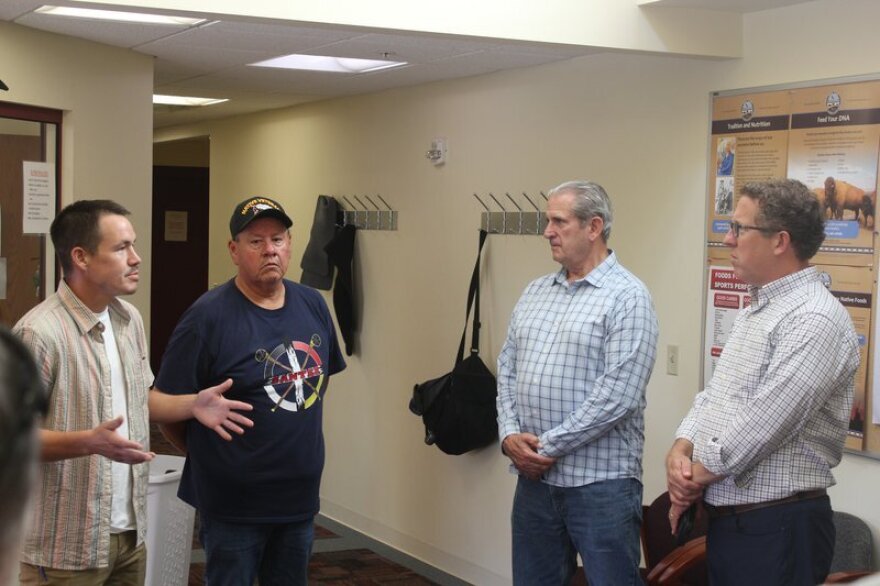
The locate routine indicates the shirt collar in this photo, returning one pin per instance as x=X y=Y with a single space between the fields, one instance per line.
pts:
x=596 y=277
x=761 y=296
x=85 y=318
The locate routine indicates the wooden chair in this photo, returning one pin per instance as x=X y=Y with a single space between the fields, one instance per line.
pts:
x=683 y=565
x=665 y=561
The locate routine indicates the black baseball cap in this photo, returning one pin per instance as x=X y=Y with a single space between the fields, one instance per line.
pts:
x=253 y=208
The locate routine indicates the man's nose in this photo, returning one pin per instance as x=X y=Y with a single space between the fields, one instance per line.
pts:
x=729 y=239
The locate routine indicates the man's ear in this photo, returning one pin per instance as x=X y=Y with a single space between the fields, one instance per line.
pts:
x=783 y=243
x=80 y=257
x=233 y=251
x=597 y=224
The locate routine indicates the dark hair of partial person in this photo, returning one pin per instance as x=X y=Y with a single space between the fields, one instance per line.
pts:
x=590 y=200
x=788 y=205
x=79 y=225
x=22 y=400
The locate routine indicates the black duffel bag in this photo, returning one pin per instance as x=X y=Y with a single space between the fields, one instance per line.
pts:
x=458 y=408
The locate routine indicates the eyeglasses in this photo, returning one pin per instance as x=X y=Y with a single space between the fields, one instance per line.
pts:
x=736 y=228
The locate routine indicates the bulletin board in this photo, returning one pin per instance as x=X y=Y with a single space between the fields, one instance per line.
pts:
x=827 y=135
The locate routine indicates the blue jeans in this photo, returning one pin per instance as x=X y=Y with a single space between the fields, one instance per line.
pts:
x=600 y=521
x=785 y=545
x=237 y=553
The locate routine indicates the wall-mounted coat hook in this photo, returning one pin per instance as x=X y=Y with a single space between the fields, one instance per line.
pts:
x=503 y=213
x=505 y=221
x=540 y=219
x=390 y=214
x=364 y=218
x=367 y=224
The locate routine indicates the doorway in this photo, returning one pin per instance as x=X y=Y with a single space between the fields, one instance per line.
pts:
x=181 y=200
x=28 y=136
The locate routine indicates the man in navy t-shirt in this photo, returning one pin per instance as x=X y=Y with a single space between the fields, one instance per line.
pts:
x=258 y=495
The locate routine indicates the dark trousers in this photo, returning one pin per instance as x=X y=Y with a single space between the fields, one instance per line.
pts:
x=785 y=545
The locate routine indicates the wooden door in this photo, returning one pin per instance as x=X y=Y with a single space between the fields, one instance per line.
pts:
x=22 y=252
x=180 y=252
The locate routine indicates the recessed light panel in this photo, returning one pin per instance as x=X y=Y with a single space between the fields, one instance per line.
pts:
x=334 y=64
x=186 y=101
x=118 y=15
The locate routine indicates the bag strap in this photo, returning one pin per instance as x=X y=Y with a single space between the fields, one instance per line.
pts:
x=473 y=301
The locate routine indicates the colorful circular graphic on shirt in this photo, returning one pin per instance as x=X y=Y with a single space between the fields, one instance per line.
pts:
x=293 y=374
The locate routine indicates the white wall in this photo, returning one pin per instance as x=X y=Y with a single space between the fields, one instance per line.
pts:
x=638 y=124
x=105 y=93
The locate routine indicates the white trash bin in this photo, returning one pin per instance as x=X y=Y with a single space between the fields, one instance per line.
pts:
x=169 y=525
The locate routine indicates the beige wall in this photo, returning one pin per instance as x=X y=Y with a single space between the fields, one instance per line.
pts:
x=105 y=93
x=194 y=152
x=637 y=124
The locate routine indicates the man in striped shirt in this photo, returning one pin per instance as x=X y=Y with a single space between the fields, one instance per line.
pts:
x=89 y=516
x=571 y=397
x=762 y=437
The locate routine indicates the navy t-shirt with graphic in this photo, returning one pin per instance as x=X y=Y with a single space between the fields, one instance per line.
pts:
x=280 y=362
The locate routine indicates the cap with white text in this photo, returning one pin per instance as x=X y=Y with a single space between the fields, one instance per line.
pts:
x=253 y=208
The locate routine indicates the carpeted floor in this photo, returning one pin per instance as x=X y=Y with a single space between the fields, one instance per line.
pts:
x=341 y=556
x=343 y=567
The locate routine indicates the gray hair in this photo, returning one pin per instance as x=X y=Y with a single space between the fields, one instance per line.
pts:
x=590 y=200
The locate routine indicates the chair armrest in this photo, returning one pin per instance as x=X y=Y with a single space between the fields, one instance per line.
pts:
x=682 y=558
x=846 y=577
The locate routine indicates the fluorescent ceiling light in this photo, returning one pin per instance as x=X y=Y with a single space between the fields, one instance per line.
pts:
x=118 y=16
x=186 y=101
x=321 y=63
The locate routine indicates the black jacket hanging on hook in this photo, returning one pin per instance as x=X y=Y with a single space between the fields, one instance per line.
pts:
x=316 y=265
x=341 y=253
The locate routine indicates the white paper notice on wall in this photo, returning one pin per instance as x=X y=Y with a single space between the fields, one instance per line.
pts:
x=175 y=226
x=38 y=208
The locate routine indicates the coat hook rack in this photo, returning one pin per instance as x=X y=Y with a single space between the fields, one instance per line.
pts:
x=520 y=222
x=364 y=218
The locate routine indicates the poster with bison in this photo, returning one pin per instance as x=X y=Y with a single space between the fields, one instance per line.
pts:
x=826 y=135
x=834 y=144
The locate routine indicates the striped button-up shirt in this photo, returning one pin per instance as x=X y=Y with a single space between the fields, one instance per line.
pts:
x=71 y=518
x=774 y=416
x=573 y=371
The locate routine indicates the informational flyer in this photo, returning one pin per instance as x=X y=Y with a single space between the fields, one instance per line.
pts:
x=749 y=143
x=38 y=208
x=833 y=148
x=726 y=296
x=853 y=288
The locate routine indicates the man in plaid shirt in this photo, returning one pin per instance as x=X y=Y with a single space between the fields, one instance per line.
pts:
x=759 y=442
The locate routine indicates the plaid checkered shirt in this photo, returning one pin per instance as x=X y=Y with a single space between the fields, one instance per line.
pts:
x=774 y=416
x=573 y=371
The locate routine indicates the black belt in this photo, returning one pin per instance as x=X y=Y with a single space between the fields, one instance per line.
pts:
x=724 y=511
